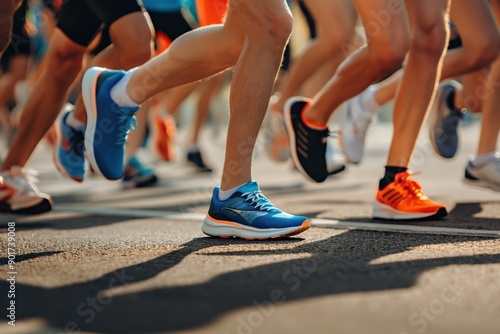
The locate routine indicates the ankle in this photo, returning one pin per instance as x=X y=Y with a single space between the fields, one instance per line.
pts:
x=390 y=175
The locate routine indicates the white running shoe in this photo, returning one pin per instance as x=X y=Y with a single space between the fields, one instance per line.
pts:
x=486 y=175
x=335 y=159
x=19 y=194
x=354 y=127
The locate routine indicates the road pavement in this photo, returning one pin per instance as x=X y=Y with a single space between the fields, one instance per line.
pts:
x=108 y=260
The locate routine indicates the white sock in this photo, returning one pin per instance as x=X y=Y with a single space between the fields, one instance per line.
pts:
x=225 y=194
x=482 y=159
x=367 y=99
x=74 y=123
x=119 y=91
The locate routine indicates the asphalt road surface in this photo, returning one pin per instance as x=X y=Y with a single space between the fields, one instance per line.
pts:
x=113 y=261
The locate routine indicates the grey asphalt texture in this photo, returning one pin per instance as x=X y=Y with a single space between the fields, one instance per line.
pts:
x=108 y=260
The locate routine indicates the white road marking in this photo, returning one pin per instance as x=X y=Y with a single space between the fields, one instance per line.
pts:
x=316 y=222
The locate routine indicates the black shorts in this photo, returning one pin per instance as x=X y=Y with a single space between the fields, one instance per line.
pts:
x=20 y=42
x=455 y=39
x=80 y=20
x=172 y=24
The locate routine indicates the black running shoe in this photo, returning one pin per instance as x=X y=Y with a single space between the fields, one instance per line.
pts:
x=195 y=158
x=307 y=145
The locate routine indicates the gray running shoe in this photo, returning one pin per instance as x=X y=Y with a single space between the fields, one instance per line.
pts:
x=486 y=175
x=443 y=121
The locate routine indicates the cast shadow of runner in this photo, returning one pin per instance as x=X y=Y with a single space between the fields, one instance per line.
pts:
x=331 y=267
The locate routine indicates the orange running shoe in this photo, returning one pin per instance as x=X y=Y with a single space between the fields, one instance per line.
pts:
x=163 y=133
x=403 y=199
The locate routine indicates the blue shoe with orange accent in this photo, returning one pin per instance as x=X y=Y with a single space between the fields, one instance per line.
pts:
x=68 y=154
x=136 y=175
x=248 y=214
x=108 y=124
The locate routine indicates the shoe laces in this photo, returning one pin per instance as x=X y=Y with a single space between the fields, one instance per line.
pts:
x=258 y=200
x=125 y=123
x=454 y=118
x=410 y=186
x=76 y=139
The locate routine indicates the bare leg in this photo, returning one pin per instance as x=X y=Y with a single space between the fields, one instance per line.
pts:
x=190 y=58
x=132 y=46
x=63 y=64
x=204 y=100
x=333 y=37
x=479 y=35
x=385 y=51
x=172 y=98
x=491 y=116
x=429 y=23
x=474 y=90
x=244 y=39
x=17 y=72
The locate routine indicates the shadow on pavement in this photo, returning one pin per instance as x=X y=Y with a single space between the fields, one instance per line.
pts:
x=336 y=265
x=463 y=215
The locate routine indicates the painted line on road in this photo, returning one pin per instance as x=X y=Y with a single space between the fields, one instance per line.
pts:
x=316 y=222
x=378 y=227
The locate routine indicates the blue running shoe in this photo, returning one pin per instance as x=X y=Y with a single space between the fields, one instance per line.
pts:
x=248 y=214
x=138 y=176
x=68 y=153
x=107 y=123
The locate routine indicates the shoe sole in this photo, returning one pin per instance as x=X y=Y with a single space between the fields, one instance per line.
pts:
x=291 y=137
x=338 y=170
x=55 y=158
x=386 y=212
x=45 y=205
x=228 y=229
x=481 y=184
x=89 y=83
x=141 y=184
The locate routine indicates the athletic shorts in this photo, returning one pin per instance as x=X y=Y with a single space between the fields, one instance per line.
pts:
x=20 y=42
x=168 y=27
x=80 y=20
x=455 y=40
x=211 y=11
x=172 y=24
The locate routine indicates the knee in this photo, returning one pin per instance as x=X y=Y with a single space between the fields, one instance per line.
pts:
x=389 y=61
x=431 y=40
x=273 y=28
x=486 y=52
